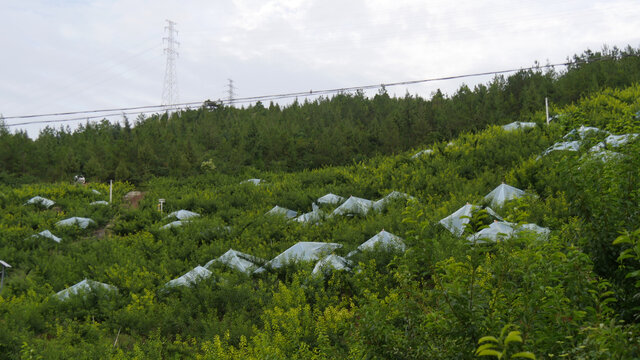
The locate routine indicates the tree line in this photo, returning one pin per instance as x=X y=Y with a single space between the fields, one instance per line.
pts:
x=303 y=135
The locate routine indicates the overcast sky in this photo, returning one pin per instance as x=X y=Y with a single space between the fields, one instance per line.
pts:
x=76 y=55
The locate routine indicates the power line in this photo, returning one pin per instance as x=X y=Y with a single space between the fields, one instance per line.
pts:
x=303 y=94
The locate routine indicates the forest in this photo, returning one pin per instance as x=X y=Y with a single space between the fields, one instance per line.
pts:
x=560 y=280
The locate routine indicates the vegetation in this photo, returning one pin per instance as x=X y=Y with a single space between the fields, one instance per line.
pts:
x=573 y=294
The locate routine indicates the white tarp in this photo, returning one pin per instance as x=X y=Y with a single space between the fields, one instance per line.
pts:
x=517 y=125
x=354 y=205
x=582 y=131
x=183 y=214
x=238 y=260
x=383 y=239
x=333 y=262
x=313 y=216
x=457 y=221
x=330 y=198
x=173 y=224
x=278 y=210
x=196 y=274
x=252 y=181
x=563 y=146
x=380 y=204
x=39 y=200
x=503 y=193
x=77 y=221
x=95 y=191
x=302 y=251
x=47 y=234
x=82 y=287
x=498 y=230
x=99 y=202
x=619 y=140
x=422 y=153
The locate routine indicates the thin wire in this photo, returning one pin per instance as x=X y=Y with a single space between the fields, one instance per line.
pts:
x=155 y=108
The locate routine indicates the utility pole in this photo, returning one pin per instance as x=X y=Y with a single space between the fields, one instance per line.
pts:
x=4 y=265
x=546 y=107
x=170 y=88
x=230 y=93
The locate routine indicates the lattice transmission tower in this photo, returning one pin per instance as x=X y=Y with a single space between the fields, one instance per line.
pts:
x=170 y=95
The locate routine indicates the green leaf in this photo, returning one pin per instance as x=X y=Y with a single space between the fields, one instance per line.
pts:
x=490 y=352
x=513 y=336
x=524 y=354
x=488 y=338
x=622 y=240
x=486 y=346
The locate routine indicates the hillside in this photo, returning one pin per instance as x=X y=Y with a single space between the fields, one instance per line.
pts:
x=336 y=131
x=567 y=293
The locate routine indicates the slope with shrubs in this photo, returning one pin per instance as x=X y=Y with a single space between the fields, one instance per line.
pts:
x=569 y=295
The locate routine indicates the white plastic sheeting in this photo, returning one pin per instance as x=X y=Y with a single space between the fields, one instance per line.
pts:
x=176 y=223
x=278 y=210
x=503 y=193
x=518 y=125
x=333 y=262
x=196 y=274
x=252 y=181
x=99 y=202
x=583 y=131
x=302 y=251
x=394 y=195
x=543 y=231
x=183 y=214
x=238 y=260
x=39 y=200
x=498 y=230
x=354 y=206
x=47 y=234
x=313 y=216
x=96 y=192
x=604 y=155
x=383 y=239
x=84 y=286
x=563 y=146
x=457 y=221
x=76 y=221
x=619 y=140
x=330 y=198
x=422 y=153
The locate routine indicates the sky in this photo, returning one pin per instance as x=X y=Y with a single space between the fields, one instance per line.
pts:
x=81 y=55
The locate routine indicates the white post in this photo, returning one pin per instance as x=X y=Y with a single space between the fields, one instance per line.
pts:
x=110 y=191
x=546 y=106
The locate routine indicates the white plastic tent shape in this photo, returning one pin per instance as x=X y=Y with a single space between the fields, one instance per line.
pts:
x=173 y=224
x=84 y=286
x=95 y=191
x=313 y=216
x=567 y=145
x=543 y=231
x=99 y=202
x=47 y=234
x=332 y=261
x=252 y=181
x=77 y=221
x=183 y=214
x=278 y=210
x=196 y=274
x=380 y=204
x=39 y=200
x=385 y=240
x=583 y=131
x=517 y=125
x=330 y=198
x=457 y=221
x=619 y=140
x=422 y=153
x=498 y=230
x=302 y=251
x=503 y=193
x=353 y=205
x=238 y=260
